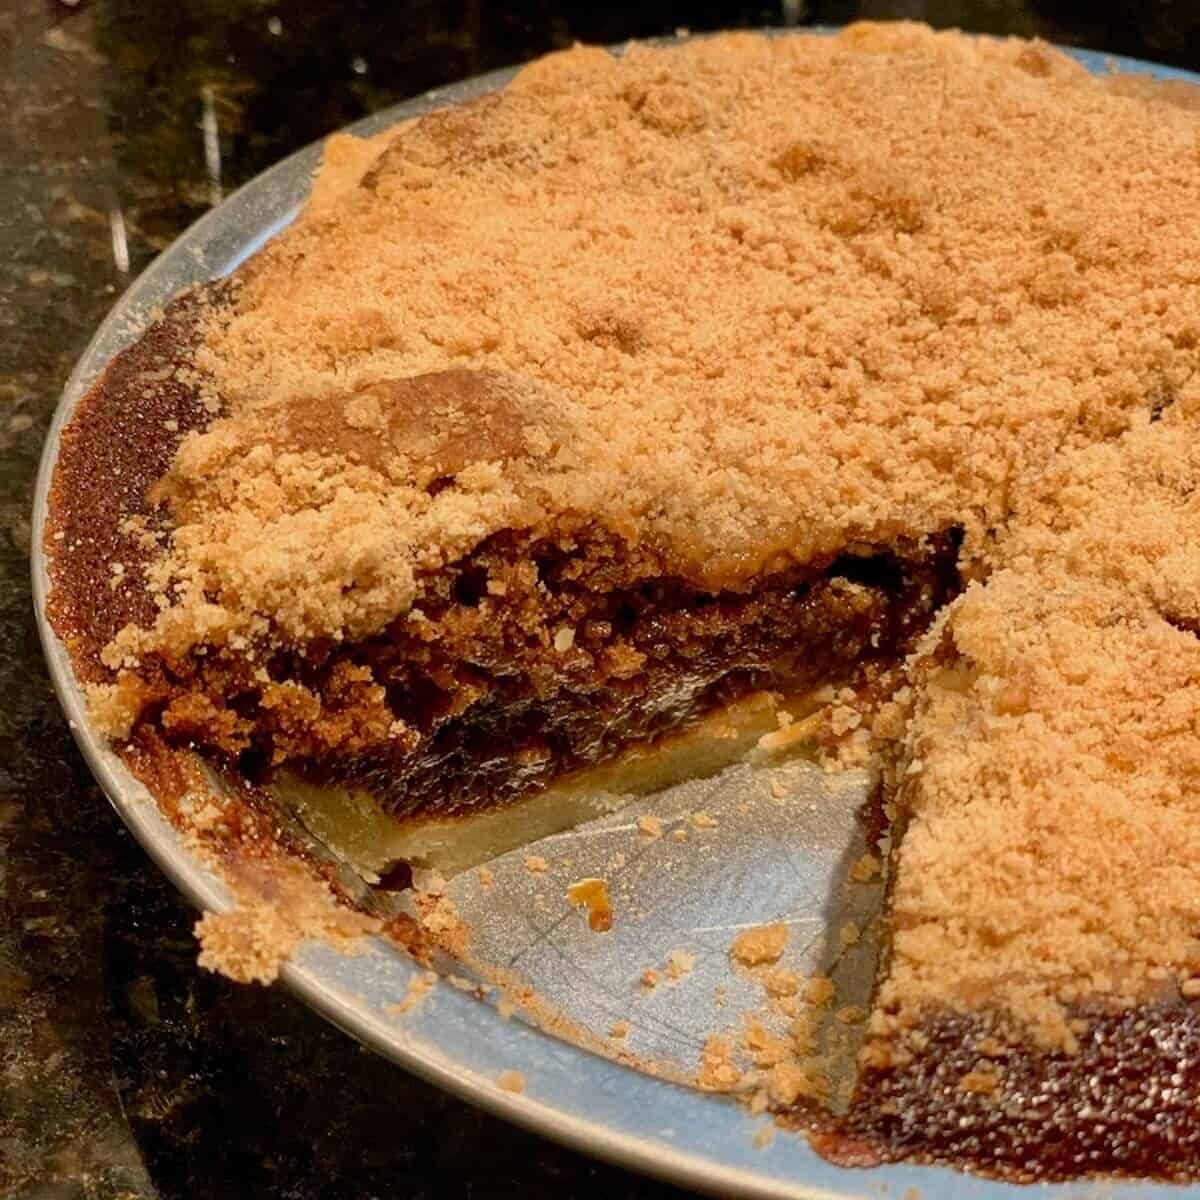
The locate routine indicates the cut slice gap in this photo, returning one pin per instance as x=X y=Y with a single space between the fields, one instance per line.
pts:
x=777 y=842
x=353 y=824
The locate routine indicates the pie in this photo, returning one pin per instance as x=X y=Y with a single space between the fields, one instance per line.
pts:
x=564 y=419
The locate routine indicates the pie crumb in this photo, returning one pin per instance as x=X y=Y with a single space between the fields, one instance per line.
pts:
x=865 y=868
x=535 y=864
x=718 y=1072
x=593 y=894
x=763 y=944
x=781 y=982
x=980 y=1082
x=418 y=989
x=820 y=991
x=679 y=963
x=511 y=1081
x=649 y=826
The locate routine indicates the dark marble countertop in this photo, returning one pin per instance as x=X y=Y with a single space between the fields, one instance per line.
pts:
x=125 y=1071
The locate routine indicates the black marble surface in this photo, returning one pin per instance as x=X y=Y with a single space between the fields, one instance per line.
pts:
x=125 y=1071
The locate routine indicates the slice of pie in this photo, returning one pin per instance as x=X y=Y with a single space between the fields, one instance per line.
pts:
x=564 y=419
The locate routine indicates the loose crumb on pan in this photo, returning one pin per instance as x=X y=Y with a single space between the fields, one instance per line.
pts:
x=781 y=982
x=865 y=868
x=761 y=945
x=820 y=991
x=251 y=942
x=418 y=988
x=535 y=864
x=511 y=1081
x=592 y=894
x=679 y=963
x=650 y=826
x=718 y=1072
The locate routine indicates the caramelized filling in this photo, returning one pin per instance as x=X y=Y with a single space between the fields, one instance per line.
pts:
x=530 y=659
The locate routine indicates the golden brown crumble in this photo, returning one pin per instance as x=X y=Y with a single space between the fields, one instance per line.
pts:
x=763 y=944
x=679 y=963
x=650 y=826
x=419 y=987
x=718 y=1072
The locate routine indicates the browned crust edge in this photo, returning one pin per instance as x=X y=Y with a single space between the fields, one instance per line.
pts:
x=119 y=440
x=1124 y=1105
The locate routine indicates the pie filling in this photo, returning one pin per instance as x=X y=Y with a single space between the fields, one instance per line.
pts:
x=526 y=663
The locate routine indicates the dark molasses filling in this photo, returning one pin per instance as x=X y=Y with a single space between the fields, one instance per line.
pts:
x=496 y=695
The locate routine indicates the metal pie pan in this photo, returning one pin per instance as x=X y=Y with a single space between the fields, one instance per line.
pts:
x=687 y=1137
